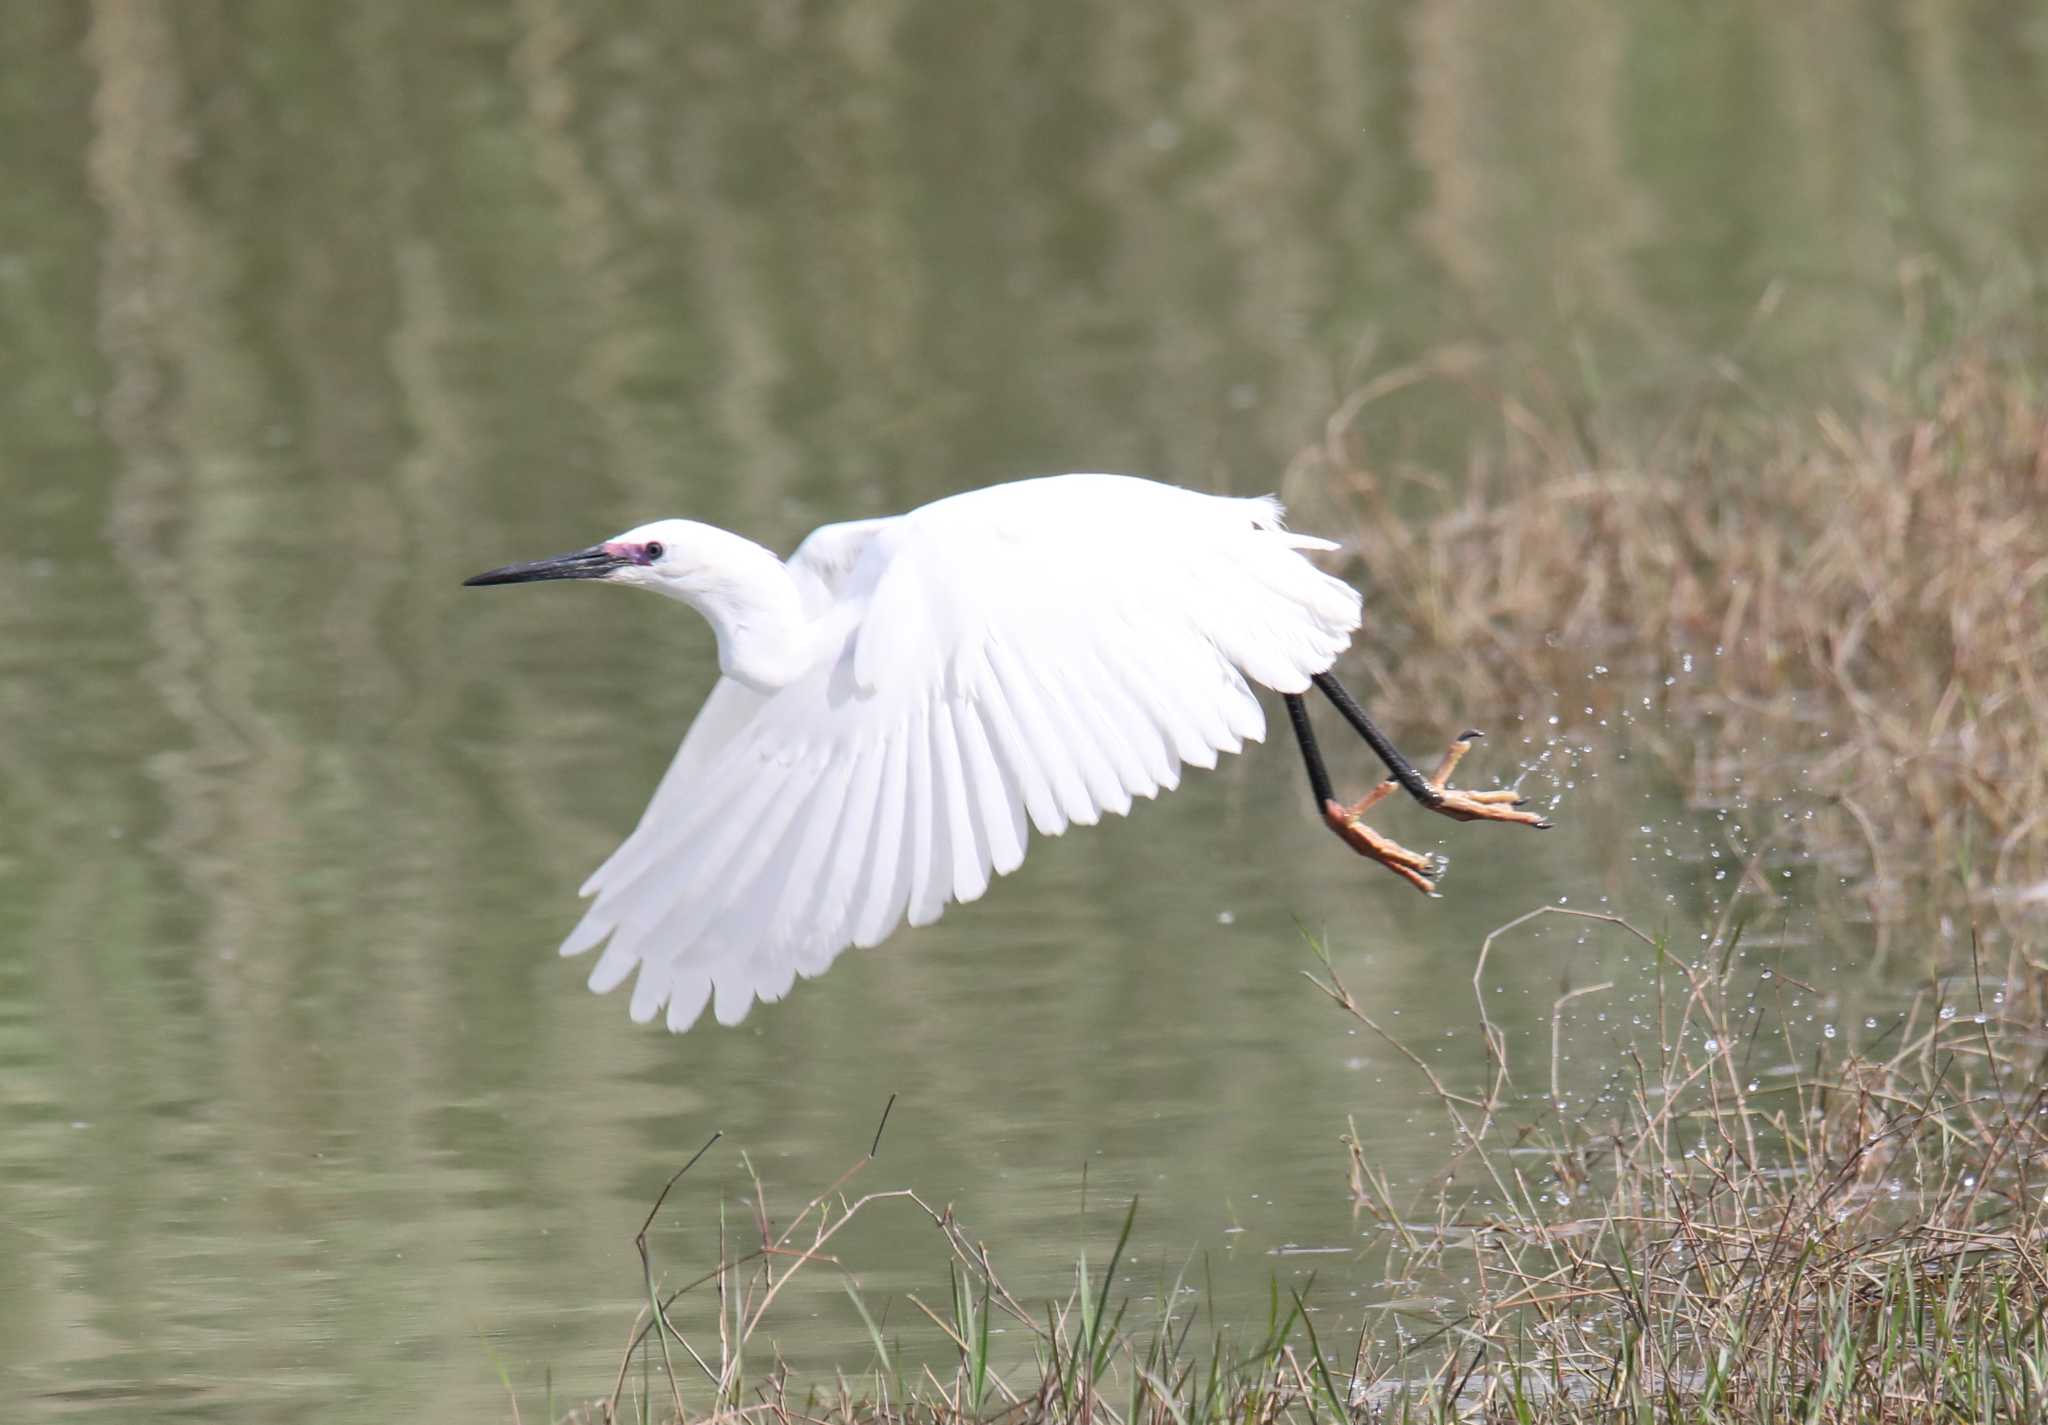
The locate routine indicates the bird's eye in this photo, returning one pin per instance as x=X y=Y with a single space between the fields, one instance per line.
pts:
x=654 y=550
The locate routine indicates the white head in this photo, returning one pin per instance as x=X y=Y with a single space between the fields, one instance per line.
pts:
x=753 y=605
x=679 y=558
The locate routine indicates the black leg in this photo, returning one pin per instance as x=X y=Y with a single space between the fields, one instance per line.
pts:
x=1311 y=755
x=1418 y=869
x=1398 y=767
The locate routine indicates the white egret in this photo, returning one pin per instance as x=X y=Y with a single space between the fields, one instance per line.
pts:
x=905 y=697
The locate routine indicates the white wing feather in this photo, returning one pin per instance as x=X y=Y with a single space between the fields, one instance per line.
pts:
x=1032 y=654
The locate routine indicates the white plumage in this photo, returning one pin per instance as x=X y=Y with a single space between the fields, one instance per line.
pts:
x=905 y=698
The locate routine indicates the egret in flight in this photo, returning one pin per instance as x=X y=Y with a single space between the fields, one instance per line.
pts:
x=904 y=698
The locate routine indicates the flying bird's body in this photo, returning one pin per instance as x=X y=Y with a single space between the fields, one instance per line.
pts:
x=904 y=699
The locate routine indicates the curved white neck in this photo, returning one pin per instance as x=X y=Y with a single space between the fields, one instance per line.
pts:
x=765 y=639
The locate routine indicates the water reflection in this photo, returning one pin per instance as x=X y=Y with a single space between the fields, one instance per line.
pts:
x=310 y=310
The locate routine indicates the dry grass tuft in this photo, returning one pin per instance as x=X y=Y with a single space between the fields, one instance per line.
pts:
x=1876 y=586
x=1866 y=1240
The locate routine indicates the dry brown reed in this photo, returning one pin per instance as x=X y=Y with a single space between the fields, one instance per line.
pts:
x=1854 y=604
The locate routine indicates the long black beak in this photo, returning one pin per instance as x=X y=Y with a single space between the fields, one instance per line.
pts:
x=592 y=563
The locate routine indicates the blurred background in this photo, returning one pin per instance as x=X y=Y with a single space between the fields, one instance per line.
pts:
x=307 y=311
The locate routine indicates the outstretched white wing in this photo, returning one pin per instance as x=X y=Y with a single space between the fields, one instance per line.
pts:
x=1033 y=654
